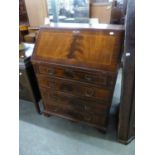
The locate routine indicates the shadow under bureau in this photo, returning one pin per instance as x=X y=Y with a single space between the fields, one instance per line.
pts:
x=76 y=68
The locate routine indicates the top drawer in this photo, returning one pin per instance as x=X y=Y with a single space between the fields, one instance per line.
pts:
x=103 y=79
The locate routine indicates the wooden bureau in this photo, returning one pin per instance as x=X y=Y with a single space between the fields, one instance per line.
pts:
x=76 y=68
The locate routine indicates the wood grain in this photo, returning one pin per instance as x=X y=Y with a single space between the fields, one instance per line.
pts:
x=95 y=48
x=76 y=70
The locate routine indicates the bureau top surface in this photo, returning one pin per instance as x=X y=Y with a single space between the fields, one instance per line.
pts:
x=80 y=45
x=85 y=26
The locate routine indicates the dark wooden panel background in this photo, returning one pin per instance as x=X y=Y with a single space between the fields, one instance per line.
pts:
x=126 y=127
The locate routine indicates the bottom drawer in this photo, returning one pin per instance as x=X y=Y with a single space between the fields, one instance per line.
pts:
x=75 y=115
x=75 y=108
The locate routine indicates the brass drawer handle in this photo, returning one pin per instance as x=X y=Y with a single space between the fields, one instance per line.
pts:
x=88 y=78
x=50 y=71
x=67 y=88
x=89 y=92
x=20 y=73
x=69 y=73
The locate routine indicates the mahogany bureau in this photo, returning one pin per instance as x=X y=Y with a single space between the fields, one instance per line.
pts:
x=76 y=68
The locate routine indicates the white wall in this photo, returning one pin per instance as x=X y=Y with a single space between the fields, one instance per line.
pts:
x=37 y=11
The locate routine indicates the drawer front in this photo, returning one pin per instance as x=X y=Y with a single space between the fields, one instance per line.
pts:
x=74 y=88
x=75 y=108
x=75 y=115
x=77 y=103
x=102 y=79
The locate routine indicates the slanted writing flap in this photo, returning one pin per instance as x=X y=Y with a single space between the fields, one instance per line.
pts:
x=79 y=46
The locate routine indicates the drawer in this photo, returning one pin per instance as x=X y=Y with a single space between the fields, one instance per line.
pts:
x=76 y=115
x=90 y=111
x=76 y=104
x=103 y=79
x=74 y=88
